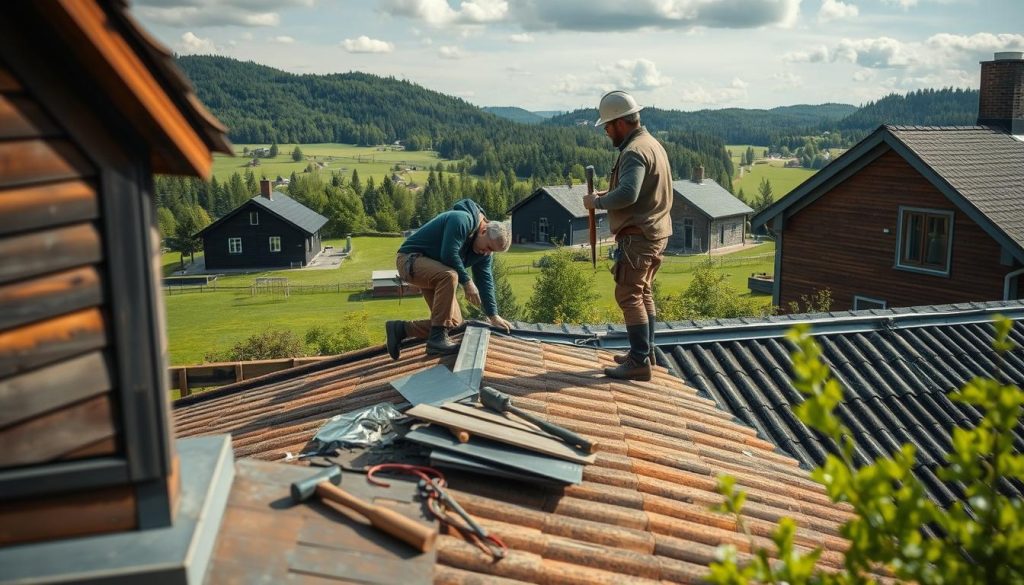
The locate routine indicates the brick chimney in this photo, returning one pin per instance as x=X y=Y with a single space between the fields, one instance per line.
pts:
x=265 y=189
x=698 y=174
x=1002 y=92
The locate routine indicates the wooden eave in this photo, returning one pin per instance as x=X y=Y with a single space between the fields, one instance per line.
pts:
x=178 y=145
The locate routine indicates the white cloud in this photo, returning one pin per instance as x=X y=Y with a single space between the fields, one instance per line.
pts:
x=615 y=15
x=816 y=55
x=788 y=80
x=699 y=94
x=449 y=52
x=836 y=10
x=202 y=13
x=440 y=13
x=880 y=53
x=521 y=38
x=284 y=40
x=979 y=44
x=640 y=74
x=517 y=70
x=862 y=75
x=365 y=44
x=904 y=4
x=194 y=45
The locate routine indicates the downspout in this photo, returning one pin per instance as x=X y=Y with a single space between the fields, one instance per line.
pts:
x=1006 y=282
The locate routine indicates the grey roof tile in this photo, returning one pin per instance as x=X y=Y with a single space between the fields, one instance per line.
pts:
x=570 y=198
x=711 y=198
x=292 y=211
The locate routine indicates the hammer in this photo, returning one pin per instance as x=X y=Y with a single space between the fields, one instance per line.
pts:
x=502 y=402
x=325 y=485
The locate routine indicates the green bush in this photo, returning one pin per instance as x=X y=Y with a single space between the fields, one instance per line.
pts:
x=982 y=544
x=352 y=335
x=563 y=292
x=269 y=344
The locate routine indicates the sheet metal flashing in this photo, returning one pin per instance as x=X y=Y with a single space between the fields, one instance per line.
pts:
x=175 y=555
x=469 y=365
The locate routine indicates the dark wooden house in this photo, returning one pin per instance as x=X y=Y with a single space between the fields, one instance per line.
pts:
x=90 y=108
x=268 y=231
x=706 y=217
x=913 y=215
x=555 y=214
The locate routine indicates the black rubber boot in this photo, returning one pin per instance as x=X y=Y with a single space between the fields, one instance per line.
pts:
x=621 y=358
x=636 y=366
x=439 y=344
x=395 y=333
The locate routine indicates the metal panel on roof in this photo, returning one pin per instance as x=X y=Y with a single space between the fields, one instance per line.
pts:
x=291 y=210
x=711 y=198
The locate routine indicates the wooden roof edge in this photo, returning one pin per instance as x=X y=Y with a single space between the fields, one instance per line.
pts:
x=180 y=141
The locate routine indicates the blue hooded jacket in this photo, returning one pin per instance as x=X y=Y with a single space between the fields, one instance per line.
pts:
x=448 y=238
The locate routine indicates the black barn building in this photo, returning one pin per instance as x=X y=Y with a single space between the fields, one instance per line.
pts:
x=555 y=213
x=269 y=230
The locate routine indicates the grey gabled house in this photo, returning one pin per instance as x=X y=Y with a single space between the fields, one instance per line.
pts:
x=269 y=230
x=555 y=213
x=705 y=216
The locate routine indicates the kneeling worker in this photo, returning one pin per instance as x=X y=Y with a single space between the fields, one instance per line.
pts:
x=435 y=259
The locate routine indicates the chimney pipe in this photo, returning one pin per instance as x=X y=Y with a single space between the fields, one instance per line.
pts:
x=265 y=190
x=1001 y=100
x=698 y=174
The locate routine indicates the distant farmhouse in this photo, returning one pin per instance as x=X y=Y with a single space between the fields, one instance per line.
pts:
x=555 y=213
x=913 y=215
x=269 y=230
x=705 y=216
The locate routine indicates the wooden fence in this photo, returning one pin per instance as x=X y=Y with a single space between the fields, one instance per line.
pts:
x=187 y=378
x=287 y=289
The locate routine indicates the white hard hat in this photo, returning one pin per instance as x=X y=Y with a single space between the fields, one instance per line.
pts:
x=614 y=105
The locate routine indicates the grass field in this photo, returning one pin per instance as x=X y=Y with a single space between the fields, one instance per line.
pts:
x=368 y=160
x=200 y=322
x=737 y=150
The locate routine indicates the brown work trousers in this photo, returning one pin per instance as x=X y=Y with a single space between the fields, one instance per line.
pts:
x=438 y=284
x=638 y=261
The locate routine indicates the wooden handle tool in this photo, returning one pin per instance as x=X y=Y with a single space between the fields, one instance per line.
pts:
x=406 y=529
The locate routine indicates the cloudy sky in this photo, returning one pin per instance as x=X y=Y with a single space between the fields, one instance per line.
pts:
x=562 y=54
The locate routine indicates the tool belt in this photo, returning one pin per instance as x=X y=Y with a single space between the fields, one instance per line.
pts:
x=630 y=230
x=410 y=259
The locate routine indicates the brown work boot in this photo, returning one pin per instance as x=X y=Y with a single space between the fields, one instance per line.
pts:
x=439 y=343
x=620 y=358
x=632 y=369
x=395 y=333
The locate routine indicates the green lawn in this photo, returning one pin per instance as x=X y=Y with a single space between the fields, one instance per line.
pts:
x=737 y=150
x=368 y=160
x=200 y=322
x=783 y=180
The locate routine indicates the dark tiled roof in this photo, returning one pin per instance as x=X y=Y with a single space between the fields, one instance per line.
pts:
x=986 y=165
x=570 y=198
x=896 y=367
x=710 y=198
x=291 y=210
x=641 y=514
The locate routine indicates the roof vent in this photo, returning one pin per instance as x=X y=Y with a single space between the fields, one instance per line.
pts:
x=1009 y=56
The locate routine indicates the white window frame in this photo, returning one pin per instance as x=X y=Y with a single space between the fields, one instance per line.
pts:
x=903 y=214
x=232 y=247
x=879 y=303
x=272 y=240
x=254 y=218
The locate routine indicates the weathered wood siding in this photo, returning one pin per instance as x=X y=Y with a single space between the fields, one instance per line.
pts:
x=526 y=221
x=838 y=242
x=56 y=381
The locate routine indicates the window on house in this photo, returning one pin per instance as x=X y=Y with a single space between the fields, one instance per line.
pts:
x=721 y=233
x=925 y=240
x=254 y=218
x=234 y=245
x=542 y=229
x=862 y=303
x=275 y=243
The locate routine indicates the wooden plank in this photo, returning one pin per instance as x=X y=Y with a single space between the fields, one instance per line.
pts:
x=48 y=341
x=8 y=84
x=42 y=298
x=482 y=413
x=500 y=433
x=38 y=253
x=107 y=446
x=21 y=117
x=29 y=208
x=46 y=389
x=76 y=514
x=23 y=162
x=52 y=435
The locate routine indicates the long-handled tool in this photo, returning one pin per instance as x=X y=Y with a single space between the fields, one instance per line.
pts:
x=502 y=402
x=325 y=485
x=593 y=221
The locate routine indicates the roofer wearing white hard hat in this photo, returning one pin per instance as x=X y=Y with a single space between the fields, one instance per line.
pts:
x=638 y=200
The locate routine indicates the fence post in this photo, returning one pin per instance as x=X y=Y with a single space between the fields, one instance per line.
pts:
x=183 y=382
x=238 y=372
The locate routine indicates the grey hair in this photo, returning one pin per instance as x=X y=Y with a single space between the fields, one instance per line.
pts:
x=633 y=118
x=500 y=233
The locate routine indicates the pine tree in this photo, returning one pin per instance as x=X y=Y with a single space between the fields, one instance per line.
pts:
x=765 y=195
x=297 y=154
x=273 y=150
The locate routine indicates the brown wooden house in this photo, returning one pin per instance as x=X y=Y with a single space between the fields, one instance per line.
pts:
x=90 y=108
x=913 y=215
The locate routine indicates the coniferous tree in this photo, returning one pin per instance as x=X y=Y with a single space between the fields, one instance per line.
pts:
x=273 y=150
